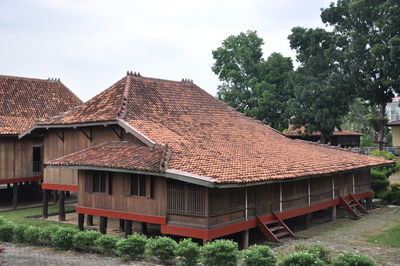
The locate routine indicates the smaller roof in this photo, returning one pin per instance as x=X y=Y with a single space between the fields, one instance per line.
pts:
x=117 y=155
x=293 y=131
x=394 y=123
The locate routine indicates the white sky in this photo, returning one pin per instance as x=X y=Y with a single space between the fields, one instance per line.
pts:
x=90 y=45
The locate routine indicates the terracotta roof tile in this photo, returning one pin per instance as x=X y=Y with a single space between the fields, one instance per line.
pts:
x=22 y=100
x=208 y=138
x=121 y=155
x=301 y=131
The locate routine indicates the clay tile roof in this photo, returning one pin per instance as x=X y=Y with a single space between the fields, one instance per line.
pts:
x=209 y=139
x=394 y=123
x=23 y=100
x=120 y=155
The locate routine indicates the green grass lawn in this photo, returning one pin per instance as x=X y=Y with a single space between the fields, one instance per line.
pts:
x=390 y=237
x=19 y=216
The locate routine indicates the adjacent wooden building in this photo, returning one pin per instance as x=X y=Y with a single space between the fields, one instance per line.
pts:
x=22 y=101
x=168 y=153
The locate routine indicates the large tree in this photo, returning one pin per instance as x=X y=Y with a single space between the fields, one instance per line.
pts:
x=253 y=85
x=371 y=50
x=321 y=93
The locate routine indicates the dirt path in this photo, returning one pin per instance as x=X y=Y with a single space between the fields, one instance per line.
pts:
x=352 y=235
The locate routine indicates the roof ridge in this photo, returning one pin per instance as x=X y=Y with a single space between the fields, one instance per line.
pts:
x=125 y=95
x=25 y=78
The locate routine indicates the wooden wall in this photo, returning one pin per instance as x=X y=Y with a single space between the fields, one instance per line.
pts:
x=75 y=140
x=119 y=201
x=228 y=205
x=16 y=157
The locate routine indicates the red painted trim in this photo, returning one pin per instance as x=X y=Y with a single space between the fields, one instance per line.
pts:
x=60 y=187
x=22 y=179
x=209 y=234
x=123 y=215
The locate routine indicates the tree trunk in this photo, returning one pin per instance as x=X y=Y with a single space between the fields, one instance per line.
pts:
x=381 y=125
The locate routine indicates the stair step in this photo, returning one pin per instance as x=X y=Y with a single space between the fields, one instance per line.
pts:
x=275 y=228
x=353 y=205
x=271 y=222
x=280 y=235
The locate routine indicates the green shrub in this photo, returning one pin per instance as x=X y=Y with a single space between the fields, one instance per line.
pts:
x=132 y=247
x=220 y=252
x=6 y=231
x=63 y=238
x=46 y=233
x=388 y=170
x=301 y=259
x=188 y=251
x=259 y=256
x=19 y=233
x=379 y=181
x=322 y=252
x=106 y=243
x=163 y=248
x=31 y=235
x=395 y=187
x=352 y=259
x=85 y=239
x=2 y=220
x=391 y=197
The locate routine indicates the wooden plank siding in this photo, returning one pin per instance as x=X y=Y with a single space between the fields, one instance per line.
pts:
x=119 y=200
x=16 y=157
x=75 y=140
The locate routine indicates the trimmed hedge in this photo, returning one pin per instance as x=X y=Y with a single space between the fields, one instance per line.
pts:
x=353 y=259
x=259 y=256
x=31 y=235
x=132 y=247
x=301 y=259
x=221 y=252
x=85 y=239
x=19 y=231
x=163 y=248
x=63 y=238
x=107 y=244
x=188 y=251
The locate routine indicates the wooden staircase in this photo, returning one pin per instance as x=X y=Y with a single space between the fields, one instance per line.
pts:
x=353 y=207
x=275 y=230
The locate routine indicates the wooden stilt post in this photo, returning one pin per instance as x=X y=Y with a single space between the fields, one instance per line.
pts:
x=89 y=221
x=61 y=206
x=333 y=213
x=67 y=194
x=15 y=195
x=81 y=221
x=45 y=212
x=369 y=203
x=245 y=239
x=55 y=196
x=121 y=224
x=103 y=225
x=8 y=186
x=308 y=220
x=128 y=227
x=144 y=228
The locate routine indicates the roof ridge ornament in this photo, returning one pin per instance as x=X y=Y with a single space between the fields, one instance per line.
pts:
x=187 y=80
x=122 y=110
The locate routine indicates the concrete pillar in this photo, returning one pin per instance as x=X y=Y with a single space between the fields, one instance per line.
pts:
x=81 y=221
x=15 y=196
x=103 y=225
x=45 y=212
x=128 y=228
x=89 y=221
x=245 y=239
x=333 y=213
x=308 y=220
x=144 y=228
x=61 y=206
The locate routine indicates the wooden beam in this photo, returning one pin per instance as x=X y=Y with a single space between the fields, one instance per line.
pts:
x=61 y=206
x=122 y=224
x=45 y=212
x=88 y=135
x=61 y=136
x=119 y=134
x=144 y=228
x=245 y=239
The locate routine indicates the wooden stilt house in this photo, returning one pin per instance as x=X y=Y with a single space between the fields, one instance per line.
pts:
x=166 y=152
x=22 y=100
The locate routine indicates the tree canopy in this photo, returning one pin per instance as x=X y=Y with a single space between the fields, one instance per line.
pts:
x=251 y=84
x=371 y=50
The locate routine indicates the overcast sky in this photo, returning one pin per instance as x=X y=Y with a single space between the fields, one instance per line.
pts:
x=90 y=45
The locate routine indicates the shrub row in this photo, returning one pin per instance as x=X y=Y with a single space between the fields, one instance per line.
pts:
x=166 y=250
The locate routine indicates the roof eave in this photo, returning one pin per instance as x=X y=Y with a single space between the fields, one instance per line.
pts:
x=130 y=129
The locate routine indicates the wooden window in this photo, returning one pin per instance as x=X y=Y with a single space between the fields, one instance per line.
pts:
x=184 y=198
x=140 y=185
x=37 y=159
x=99 y=181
